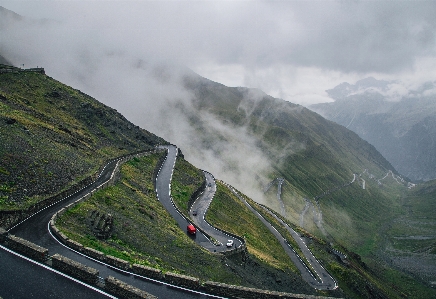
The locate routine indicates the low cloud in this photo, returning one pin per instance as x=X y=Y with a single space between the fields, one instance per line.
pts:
x=289 y=49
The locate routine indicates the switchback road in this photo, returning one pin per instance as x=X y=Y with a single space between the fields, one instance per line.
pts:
x=35 y=229
x=198 y=211
x=318 y=278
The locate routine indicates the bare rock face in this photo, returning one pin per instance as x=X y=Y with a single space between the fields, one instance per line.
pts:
x=101 y=224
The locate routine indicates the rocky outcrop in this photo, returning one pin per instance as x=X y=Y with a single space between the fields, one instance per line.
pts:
x=101 y=224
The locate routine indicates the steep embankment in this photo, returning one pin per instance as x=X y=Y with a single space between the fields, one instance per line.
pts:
x=53 y=135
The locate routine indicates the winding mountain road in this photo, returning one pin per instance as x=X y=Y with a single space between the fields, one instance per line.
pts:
x=318 y=278
x=198 y=211
x=163 y=190
x=35 y=229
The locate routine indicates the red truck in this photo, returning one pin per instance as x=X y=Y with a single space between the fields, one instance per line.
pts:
x=191 y=229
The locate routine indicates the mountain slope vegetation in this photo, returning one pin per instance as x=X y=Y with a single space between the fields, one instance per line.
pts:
x=53 y=135
x=312 y=154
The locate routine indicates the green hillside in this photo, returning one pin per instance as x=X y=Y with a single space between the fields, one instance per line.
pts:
x=410 y=243
x=53 y=135
x=312 y=154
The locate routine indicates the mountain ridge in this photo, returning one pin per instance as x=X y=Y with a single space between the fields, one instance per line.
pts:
x=403 y=130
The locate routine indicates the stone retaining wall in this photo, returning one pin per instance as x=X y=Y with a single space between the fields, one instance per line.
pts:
x=3 y=235
x=75 y=269
x=118 y=263
x=147 y=271
x=225 y=290
x=74 y=245
x=123 y=290
x=91 y=252
x=27 y=248
x=18 y=70
x=241 y=250
x=182 y=280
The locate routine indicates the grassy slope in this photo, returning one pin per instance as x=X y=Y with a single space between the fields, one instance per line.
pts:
x=315 y=155
x=53 y=135
x=410 y=242
x=267 y=266
x=144 y=232
x=229 y=213
x=186 y=180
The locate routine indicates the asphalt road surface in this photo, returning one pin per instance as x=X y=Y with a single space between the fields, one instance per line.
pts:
x=35 y=229
x=317 y=277
x=200 y=206
x=163 y=187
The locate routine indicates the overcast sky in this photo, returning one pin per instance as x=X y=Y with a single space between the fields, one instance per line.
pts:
x=290 y=49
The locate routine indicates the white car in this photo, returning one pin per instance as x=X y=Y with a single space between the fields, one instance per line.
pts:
x=229 y=243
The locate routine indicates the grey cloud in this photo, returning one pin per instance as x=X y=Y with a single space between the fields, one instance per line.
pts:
x=350 y=36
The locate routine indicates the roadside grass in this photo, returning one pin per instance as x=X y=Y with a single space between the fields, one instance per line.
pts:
x=144 y=232
x=186 y=180
x=230 y=214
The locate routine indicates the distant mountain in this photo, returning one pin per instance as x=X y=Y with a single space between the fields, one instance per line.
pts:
x=7 y=15
x=400 y=123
